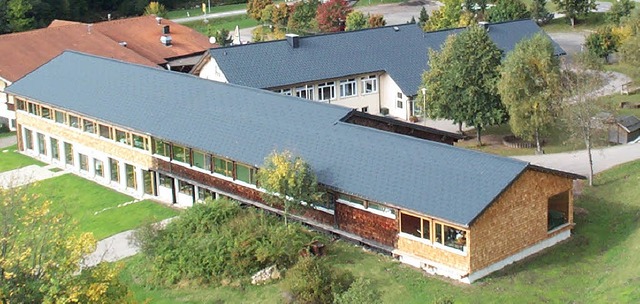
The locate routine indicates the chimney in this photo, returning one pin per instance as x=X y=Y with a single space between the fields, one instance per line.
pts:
x=108 y=17
x=294 y=40
x=484 y=25
x=166 y=40
x=123 y=43
x=165 y=30
x=89 y=28
x=159 y=20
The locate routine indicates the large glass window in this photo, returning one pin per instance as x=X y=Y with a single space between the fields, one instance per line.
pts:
x=32 y=108
x=348 y=88
x=55 y=149
x=121 y=137
x=161 y=148
x=74 y=121
x=105 y=131
x=88 y=126
x=558 y=210
x=450 y=237
x=185 y=188
x=286 y=92
x=28 y=138
x=45 y=112
x=246 y=174
x=223 y=166
x=305 y=92
x=115 y=170
x=416 y=226
x=165 y=181
x=201 y=160
x=60 y=118
x=369 y=84
x=98 y=167
x=139 y=142
x=130 y=171
x=20 y=104
x=351 y=199
x=327 y=91
x=381 y=208
x=68 y=153
x=148 y=182
x=42 y=146
x=84 y=162
x=204 y=194
x=181 y=154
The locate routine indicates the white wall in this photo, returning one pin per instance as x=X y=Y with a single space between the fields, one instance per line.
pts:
x=389 y=96
x=211 y=70
x=4 y=99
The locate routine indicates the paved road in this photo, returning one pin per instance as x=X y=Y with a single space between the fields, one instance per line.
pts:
x=7 y=141
x=210 y=16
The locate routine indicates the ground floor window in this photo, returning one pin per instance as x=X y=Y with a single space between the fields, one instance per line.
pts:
x=305 y=92
x=558 y=210
x=415 y=225
x=130 y=171
x=450 y=236
x=55 y=149
x=204 y=194
x=68 y=153
x=185 y=188
x=165 y=181
x=42 y=146
x=148 y=182
x=84 y=162
x=114 y=168
x=28 y=139
x=98 y=167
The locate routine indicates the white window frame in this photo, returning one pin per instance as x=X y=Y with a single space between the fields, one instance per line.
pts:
x=399 y=101
x=286 y=92
x=345 y=84
x=307 y=89
x=371 y=80
x=331 y=85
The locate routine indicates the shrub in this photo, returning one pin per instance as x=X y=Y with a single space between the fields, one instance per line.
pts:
x=313 y=280
x=219 y=240
x=359 y=292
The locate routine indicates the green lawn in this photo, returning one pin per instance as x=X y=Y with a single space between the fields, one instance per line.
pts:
x=182 y=13
x=599 y=264
x=362 y=3
x=563 y=24
x=7 y=134
x=81 y=199
x=11 y=159
x=229 y=23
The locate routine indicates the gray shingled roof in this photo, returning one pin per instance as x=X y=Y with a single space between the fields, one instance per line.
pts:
x=402 y=54
x=246 y=124
x=629 y=122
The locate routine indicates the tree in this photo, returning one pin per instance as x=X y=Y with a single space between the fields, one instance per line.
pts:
x=303 y=16
x=530 y=87
x=356 y=20
x=314 y=280
x=619 y=10
x=539 y=11
x=506 y=10
x=630 y=51
x=255 y=7
x=332 y=15
x=424 y=17
x=575 y=8
x=17 y=15
x=288 y=181
x=445 y=17
x=461 y=81
x=221 y=35
x=40 y=255
x=155 y=8
x=376 y=20
x=602 y=42
x=280 y=15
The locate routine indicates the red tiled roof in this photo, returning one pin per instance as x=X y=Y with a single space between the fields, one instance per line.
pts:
x=142 y=35
x=23 y=52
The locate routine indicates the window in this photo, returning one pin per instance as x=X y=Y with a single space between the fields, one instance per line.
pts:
x=416 y=226
x=369 y=84
x=246 y=174
x=365 y=110
x=305 y=92
x=450 y=236
x=204 y=194
x=74 y=121
x=329 y=201
x=162 y=148
x=98 y=167
x=381 y=208
x=104 y=131
x=201 y=160
x=55 y=150
x=399 y=101
x=20 y=104
x=42 y=146
x=558 y=209
x=60 y=117
x=68 y=153
x=181 y=154
x=351 y=199
x=121 y=137
x=223 y=166
x=114 y=168
x=147 y=182
x=327 y=91
x=139 y=142
x=28 y=138
x=185 y=188
x=348 y=88
x=84 y=162
x=286 y=92
x=165 y=181
x=45 y=112
x=130 y=171
x=88 y=126
x=32 y=108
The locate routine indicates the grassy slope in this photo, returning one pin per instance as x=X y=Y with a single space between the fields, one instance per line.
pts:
x=598 y=264
x=229 y=23
x=11 y=159
x=198 y=11
x=81 y=198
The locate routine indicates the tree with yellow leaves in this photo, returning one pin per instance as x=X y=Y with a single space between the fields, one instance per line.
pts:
x=289 y=182
x=155 y=8
x=41 y=254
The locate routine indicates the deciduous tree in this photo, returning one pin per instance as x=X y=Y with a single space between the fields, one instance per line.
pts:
x=461 y=81
x=506 y=10
x=289 y=181
x=356 y=20
x=155 y=8
x=619 y=10
x=539 y=11
x=18 y=15
x=529 y=86
x=602 y=42
x=255 y=7
x=280 y=15
x=332 y=15
x=447 y=16
x=303 y=16
x=376 y=20
x=575 y=8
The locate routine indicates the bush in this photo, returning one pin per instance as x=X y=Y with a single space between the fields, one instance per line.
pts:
x=313 y=280
x=219 y=240
x=359 y=292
